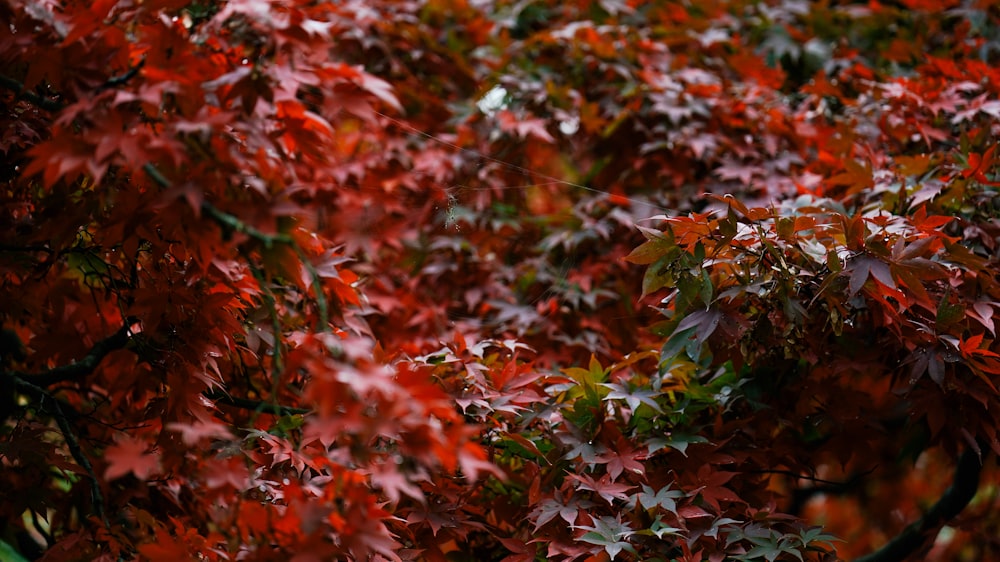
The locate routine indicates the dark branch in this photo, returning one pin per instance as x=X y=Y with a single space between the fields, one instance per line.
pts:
x=44 y=398
x=157 y=177
x=83 y=367
x=255 y=405
x=121 y=79
x=228 y=222
x=834 y=483
x=233 y=224
x=801 y=495
x=952 y=502
x=50 y=104
x=26 y=94
x=29 y=248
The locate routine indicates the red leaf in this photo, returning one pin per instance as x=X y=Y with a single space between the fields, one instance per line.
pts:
x=604 y=487
x=623 y=458
x=128 y=455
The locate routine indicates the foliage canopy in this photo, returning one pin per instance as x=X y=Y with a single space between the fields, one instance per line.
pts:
x=399 y=280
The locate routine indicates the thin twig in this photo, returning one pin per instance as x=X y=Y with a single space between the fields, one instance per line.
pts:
x=224 y=219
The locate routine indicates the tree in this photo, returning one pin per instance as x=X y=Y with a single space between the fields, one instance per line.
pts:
x=499 y=281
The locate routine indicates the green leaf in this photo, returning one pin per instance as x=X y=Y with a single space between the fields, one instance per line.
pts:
x=658 y=275
x=689 y=290
x=786 y=227
x=948 y=313
x=8 y=554
x=591 y=376
x=816 y=535
x=633 y=396
x=676 y=440
x=727 y=227
x=660 y=529
x=609 y=533
x=678 y=341
x=664 y=497
x=699 y=252
x=707 y=288
x=657 y=245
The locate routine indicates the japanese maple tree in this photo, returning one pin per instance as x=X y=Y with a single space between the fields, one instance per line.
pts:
x=513 y=281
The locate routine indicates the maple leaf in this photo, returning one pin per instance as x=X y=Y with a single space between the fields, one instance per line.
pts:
x=609 y=532
x=743 y=172
x=665 y=497
x=380 y=88
x=209 y=174
x=982 y=312
x=524 y=127
x=473 y=463
x=393 y=482
x=605 y=487
x=548 y=509
x=129 y=455
x=713 y=489
x=623 y=457
x=633 y=396
x=862 y=267
x=165 y=549
x=678 y=441
x=193 y=433
x=521 y=551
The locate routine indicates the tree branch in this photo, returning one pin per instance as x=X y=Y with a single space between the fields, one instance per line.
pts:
x=13 y=248
x=121 y=79
x=26 y=94
x=277 y=363
x=232 y=224
x=50 y=104
x=255 y=405
x=952 y=502
x=801 y=495
x=223 y=219
x=44 y=396
x=833 y=483
x=83 y=367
